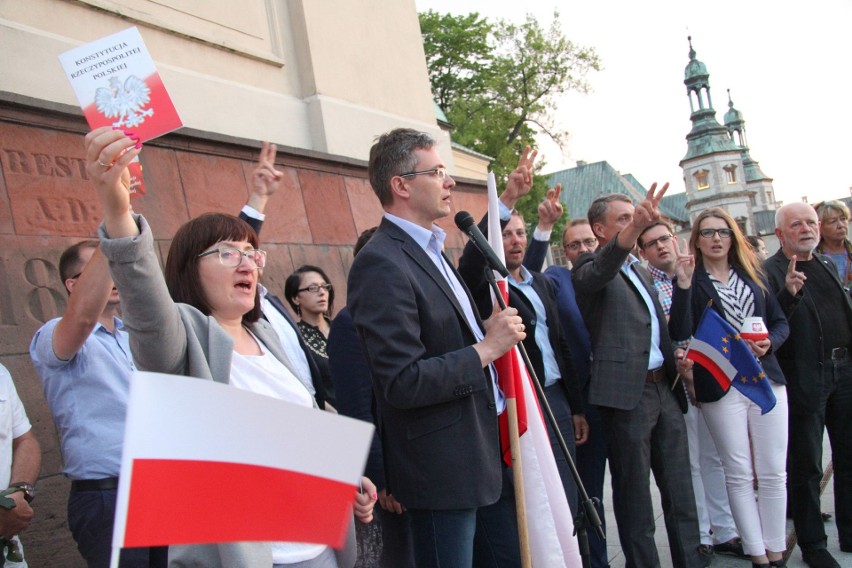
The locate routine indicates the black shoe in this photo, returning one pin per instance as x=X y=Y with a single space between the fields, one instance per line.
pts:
x=778 y=563
x=845 y=547
x=764 y=565
x=733 y=547
x=819 y=558
x=705 y=551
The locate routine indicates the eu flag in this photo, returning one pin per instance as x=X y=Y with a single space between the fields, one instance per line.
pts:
x=718 y=347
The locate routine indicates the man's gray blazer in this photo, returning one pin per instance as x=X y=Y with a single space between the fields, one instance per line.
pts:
x=620 y=327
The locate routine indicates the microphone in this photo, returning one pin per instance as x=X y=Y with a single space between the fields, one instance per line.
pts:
x=465 y=222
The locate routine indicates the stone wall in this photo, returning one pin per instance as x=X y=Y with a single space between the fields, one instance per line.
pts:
x=47 y=204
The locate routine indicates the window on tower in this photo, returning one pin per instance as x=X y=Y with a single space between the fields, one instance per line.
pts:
x=702 y=179
x=731 y=173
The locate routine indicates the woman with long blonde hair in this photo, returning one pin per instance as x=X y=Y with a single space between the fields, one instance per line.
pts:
x=725 y=270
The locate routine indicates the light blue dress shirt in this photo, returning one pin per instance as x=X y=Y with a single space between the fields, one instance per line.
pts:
x=87 y=396
x=542 y=331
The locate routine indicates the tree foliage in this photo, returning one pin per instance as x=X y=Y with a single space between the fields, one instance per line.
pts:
x=499 y=83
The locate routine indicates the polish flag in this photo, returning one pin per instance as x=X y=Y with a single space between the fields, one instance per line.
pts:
x=205 y=462
x=549 y=521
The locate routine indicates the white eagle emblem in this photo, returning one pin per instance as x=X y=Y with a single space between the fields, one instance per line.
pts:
x=126 y=102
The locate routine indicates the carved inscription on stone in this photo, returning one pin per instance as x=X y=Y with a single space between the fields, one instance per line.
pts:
x=30 y=290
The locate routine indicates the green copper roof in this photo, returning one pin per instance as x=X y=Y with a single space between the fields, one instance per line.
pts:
x=694 y=69
x=583 y=184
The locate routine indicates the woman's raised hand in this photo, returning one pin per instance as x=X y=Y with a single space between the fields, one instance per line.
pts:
x=108 y=152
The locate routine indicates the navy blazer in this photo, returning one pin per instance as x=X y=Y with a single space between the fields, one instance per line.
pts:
x=570 y=317
x=435 y=401
x=687 y=307
x=353 y=384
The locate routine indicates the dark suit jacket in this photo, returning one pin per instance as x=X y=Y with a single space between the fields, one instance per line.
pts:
x=435 y=401
x=687 y=307
x=472 y=267
x=316 y=376
x=354 y=386
x=620 y=327
x=572 y=322
x=802 y=356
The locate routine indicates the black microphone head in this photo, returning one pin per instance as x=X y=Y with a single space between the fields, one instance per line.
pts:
x=463 y=220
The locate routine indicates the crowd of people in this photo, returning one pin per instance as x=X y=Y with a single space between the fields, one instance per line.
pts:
x=413 y=352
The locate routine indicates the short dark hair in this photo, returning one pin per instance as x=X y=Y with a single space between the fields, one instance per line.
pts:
x=393 y=155
x=193 y=238
x=363 y=239
x=660 y=223
x=294 y=281
x=70 y=263
x=598 y=208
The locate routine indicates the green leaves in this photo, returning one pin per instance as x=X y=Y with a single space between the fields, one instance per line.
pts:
x=499 y=84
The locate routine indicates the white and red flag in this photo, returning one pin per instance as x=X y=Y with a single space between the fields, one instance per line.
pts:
x=196 y=452
x=550 y=524
x=117 y=85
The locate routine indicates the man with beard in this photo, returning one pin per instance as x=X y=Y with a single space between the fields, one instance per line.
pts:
x=815 y=360
x=532 y=295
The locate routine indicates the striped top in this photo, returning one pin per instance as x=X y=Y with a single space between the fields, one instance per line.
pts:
x=737 y=298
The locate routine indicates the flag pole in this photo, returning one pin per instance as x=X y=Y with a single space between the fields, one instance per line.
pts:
x=590 y=512
x=515 y=449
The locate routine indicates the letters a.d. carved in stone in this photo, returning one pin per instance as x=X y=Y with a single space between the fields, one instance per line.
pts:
x=47 y=183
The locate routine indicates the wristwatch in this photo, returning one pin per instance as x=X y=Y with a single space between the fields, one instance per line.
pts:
x=28 y=490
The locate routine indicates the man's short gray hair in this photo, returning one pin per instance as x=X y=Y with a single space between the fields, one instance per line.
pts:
x=393 y=155
x=598 y=208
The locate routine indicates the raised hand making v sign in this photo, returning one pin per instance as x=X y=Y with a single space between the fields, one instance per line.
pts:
x=644 y=215
x=550 y=210
x=521 y=179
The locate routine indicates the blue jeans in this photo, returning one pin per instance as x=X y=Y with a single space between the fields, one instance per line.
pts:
x=91 y=515
x=443 y=538
x=486 y=537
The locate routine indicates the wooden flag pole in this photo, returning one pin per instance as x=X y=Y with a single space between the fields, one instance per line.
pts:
x=518 y=473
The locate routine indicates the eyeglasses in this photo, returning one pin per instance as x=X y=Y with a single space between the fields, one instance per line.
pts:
x=574 y=245
x=315 y=288
x=440 y=171
x=710 y=233
x=231 y=257
x=659 y=241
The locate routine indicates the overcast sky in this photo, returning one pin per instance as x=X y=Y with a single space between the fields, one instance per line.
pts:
x=787 y=65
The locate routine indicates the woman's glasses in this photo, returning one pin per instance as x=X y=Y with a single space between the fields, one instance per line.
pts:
x=232 y=257
x=710 y=233
x=315 y=288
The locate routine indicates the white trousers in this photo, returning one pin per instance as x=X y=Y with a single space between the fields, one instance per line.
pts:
x=732 y=420
x=715 y=522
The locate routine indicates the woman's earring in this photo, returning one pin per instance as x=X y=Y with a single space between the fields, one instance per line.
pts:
x=299 y=311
